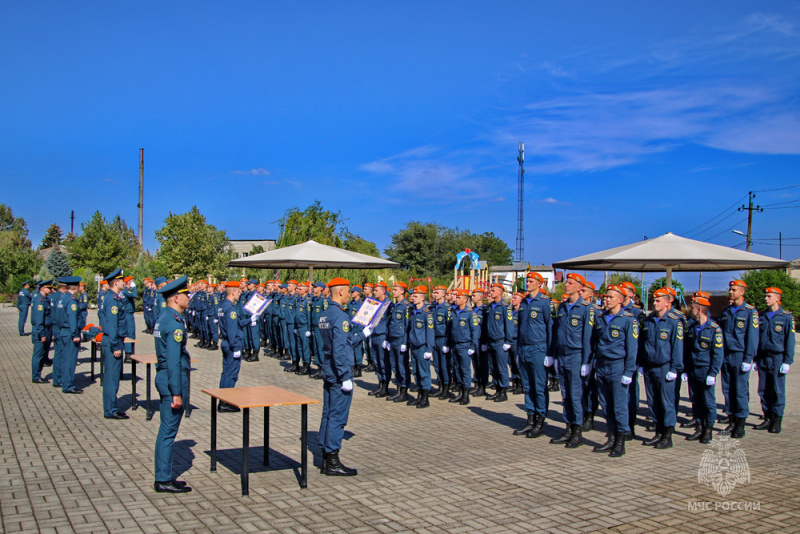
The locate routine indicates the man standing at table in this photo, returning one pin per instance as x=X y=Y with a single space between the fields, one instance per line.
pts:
x=172 y=380
x=338 y=341
x=231 y=325
x=23 y=303
x=41 y=323
x=67 y=317
x=114 y=325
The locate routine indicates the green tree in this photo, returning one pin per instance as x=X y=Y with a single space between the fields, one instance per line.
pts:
x=103 y=246
x=58 y=264
x=52 y=237
x=617 y=278
x=18 y=261
x=758 y=281
x=191 y=246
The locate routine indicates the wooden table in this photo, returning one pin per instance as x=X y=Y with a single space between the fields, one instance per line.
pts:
x=149 y=360
x=257 y=397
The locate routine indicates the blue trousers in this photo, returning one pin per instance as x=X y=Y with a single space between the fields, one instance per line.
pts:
x=368 y=350
x=660 y=395
x=534 y=379
x=462 y=360
x=230 y=367
x=213 y=328
x=441 y=362
x=319 y=356
x=735 y=385
x=112 y=370
x=422 y=368
x=69 y=360
x=277 y=342
x=499 y=359
x=771 y=384
x=302 y=344
x=614 y=394
x=633 y=400
x=39 y=355
x=400 y=365
x=480 y=364
x=23 y=317
x=383 y=364
x=358 y=354
x=168 y=429
x=335 y=411
x=590 y=399
x=572 y=384
x=255 y=337
x=288 y=338
x=57 y=366
x=704 y=400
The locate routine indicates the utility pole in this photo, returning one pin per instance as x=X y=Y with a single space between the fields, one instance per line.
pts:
x=750 y=209
x=141 y=195
x=72 y=222
x=520 y=202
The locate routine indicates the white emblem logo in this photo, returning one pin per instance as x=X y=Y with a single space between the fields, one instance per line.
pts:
x=724 y=467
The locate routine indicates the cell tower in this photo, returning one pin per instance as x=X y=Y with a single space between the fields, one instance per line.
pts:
x=520 y=201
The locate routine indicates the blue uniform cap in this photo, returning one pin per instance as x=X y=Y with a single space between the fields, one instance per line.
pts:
x=320 y=284
x=179 y=285
x=284 y=286
x=44 y=283
x=160 y=280
x=26 y=282
x=253 y=281
x=70 y=280
x=355 y=288
x=114 y=275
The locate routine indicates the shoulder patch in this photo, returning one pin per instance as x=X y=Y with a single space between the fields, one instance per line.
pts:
x=74 y=307
x=178 y=335
x=114 y=310
x=164 y=304
x=626 y=313
x=345 y=326
x=233 y=314
x=635 y=330
x=324 y=304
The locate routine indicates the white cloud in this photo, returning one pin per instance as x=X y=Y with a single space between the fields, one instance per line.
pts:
x=261 y=171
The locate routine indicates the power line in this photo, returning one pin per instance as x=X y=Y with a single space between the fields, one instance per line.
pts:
x=701 y=232
x=727 y=229
x=777 y=189
x=781 y=203
x=716 y=217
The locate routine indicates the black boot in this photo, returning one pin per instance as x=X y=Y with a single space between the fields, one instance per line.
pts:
x=423 y=403
x=403 y=396
x=608 y=445
x=577 y=437
x=299 y=369
x=383 y=390
x=414 y=402
x=708 y=429
x=214 y=346
x=766 y=423
x=528 y=425
x=666 y=440
x=357 y=371
x=699 y=430
x=724 y=419
x=479 y=390
x=324 y=462
x=501 y=395
x=775 y=426
x=459 y=394
x=370 y=368
x=253 y=356
x=655 y=439
x=335 y=468
x=690 y=424
x=306 y=369
x=738 y=430
x=292 y=368
x=395 y=396
x=619 y=445
x=731 y=420
x=317 y=375
x=445 y=392
x=376 y=390
x=588 y=422
x=565 y=437
x=538 y=427
x=464 y=396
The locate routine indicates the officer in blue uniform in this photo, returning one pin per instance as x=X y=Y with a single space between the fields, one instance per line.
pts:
x=23 y=303
x=67 y=317
x=302 y=322
x=41 y=323
x=513 y=360
x=633 y=390
x=289 y=317
x=211 y=317
x=572 y=335
x=441 y=360
x=280 y=348
x=83 y=305
x=397 y=342
x=775 y=356
x=739 y=323
x=172 y=379
x=148 y=296
x=615 y=345
x=500 y=335
x=534 y=349
x=420 y=344
x=370 y=367
x=703 y=352
x=661 y=361
x=337 y=344
x=352 y=309
x=463 y=338
x=232 y=327
x=58 y=364
x=480 y=360
x=112 y=344
x=128 y=299
x=380 y=354
x=159 y=304
x=591 y=399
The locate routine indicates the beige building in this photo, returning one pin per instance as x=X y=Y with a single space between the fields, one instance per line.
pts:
x=242 y=247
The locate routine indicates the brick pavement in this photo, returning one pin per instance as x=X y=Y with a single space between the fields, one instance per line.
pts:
x=449 y=468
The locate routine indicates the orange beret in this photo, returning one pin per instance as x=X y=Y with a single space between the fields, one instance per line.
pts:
x=478 y=290
x=147 y=279
x=104 y=282
x=337 y=282
x=369 y=285
x=702 y=294
x=618 y=289
x=535 y=276
x=462 y=293
x=590 y=285
x=628 y=285
x=499 y=286
x=739 y=283
x=292 y=282
x=127 y=279
x=702 y=301
x=521 y=294
x=201 y=281
x=382 y=284
x=773 y=290
x=243 y=280
x=672 y=291
x=213 y=285
x=260 y=285
x=577 y=277
x=440 y=288
x=401 y=284
x=82 y=284
x=232 y=284
x=564 y=297
x=420 y=290
x=661 y=292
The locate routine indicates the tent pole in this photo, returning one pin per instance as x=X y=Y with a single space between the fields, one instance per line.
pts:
x=311 y=273
x=669 y=276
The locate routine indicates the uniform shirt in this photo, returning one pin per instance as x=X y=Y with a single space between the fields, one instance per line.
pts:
x=160 y=305
x=55 y=298
x=83 y=309
x=382 y=327
x=420 y=329
x=67 y=317
x=573 y=327
x=230 y=325
x=352 y=310
x=464 y=328
x=480 y=313
x=661 y=341
x=23 y=299
x=114 y=322
x=397 y=327
x=535 y=323
x=302 y=315
x=499 y=323
x=290 y=312
x=338 y=341
x=40 y=316
x=440 y=314
x=703 y=346
x=128 y=299
x=776 y=335
x=615 y=337
x=169 y=335
x=740 y=330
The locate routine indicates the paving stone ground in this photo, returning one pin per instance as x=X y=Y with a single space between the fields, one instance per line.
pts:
x=445 y=469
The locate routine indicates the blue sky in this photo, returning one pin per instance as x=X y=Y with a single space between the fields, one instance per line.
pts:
x=638 y=118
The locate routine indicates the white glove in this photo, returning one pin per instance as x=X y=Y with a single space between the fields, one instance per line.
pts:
x=484 y=348
x=671 y=376
x=427 y=355
x=215 y=321
x=445 y=349
x=295 y=330
x=388 y=346
x=385 y=345
x=548 y=361
x=308 y=334
x=237 y=354
x=367 y=331
x=784 y=368
x=626 y=380
x=684 y=377
x=133 y=284
x=347 y=385
x=403 y=348
x=586 y=369
x=746 y=367
x=641 y=371
x=253 y=320
x=711 y=380
x=470 y=352
x=506 y=347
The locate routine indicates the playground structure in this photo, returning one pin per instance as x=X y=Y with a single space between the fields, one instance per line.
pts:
x=478 y=277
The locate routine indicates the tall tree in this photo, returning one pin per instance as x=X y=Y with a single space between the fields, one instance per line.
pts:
x=52 y=237
x=312 y=223
x=191 y=246
x=58 y=264
x=757 y=281
x=103 y=246
x=18 y=261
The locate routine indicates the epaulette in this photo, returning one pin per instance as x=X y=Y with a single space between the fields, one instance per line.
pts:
x=626 y=313
x=584 y=303
x=748 y=306
x=673 y=315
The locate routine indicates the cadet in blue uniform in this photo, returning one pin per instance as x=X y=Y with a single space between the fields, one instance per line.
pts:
x=112 y=344
x=337 y=343
x=661 y=359
x=463 y=338
x=615 y=344
x=441 y=360
x=211 y=317
x=370 y=367
x=590 y=391
x=397 y=342
x=380 y=354
x=480 y=360
x=534 y=349
x=58 y=364
x=352 y=309
x=232 y=335
x=128 y=299
x=302 y=322
x=703 y=359
x=420 y=344
x=67 y=317
x=572 y=335
x=739 y=323
x=83 y=305
x=148 y=296
x=633 y=390
x=23 y=303
x=775 y=356
x=159 y=304
x=172 y=379
x=41 y=323
x=500 y=335
x=513 y=359
x=289 y=315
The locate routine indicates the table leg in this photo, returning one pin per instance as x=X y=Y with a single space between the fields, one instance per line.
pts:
x=266 y=435
x=134 y=404
x=304 y=446
x=188 y=393
x=101 y=365
x=147 y=402
x=246 y=451
x=213 y=434
x=93 y=357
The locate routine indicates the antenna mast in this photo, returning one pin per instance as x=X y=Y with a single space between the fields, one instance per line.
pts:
x=520 y=202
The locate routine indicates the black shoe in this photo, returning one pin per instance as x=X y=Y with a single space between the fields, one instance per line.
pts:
x=479 y=390
x=731 y=420
x=619 y=445
x=395 y=396
x=292 y=368
x=414 y=402
x=738 y=430
x=565 y=437
x=317 y=375
x=383 y=390
x=630 y=435
x=171 y=487
x=215 y=346
x=423 y=401
x=666 y=439
x=775 y=426
x=464 y=397
x=459 y=393
x=118 y=415
x=724 y=419
x=126 y=359
x=74 y=391
x=413 y=388
x=528 y=426
x=370 y=368
x=655 y=439
x=588 y=422
x=403 y=395
x=608 y=445
x=766 y=424
x=376 y=390
x=538 y=427
x=224 y=407
x=357 y=371
x=253 y=356
x=335 y=468
x=708 y=430
x=444 y=392
x=699 y=431
x=48 y=362
x=41 y=381
x=690 y=424
x=577 y=437
x=304 y=370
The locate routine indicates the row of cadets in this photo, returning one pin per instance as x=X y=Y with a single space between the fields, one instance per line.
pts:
x=148 y=305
